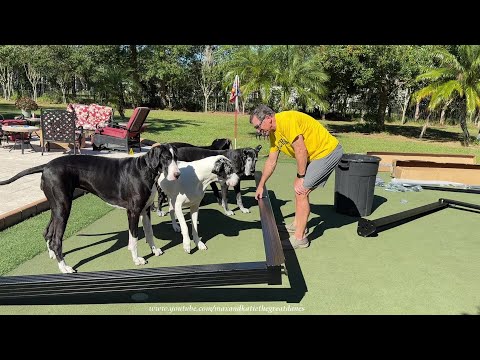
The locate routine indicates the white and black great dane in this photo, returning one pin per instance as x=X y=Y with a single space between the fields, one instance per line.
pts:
x=243 y=162
x=189 y=190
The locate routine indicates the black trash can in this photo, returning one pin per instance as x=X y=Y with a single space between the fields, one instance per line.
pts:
x=355 y=184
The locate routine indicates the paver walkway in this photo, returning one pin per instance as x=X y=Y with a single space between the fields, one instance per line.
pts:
x=27 y=189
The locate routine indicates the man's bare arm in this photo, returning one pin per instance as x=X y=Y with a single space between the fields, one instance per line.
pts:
x=268 y=169
x=301 y=154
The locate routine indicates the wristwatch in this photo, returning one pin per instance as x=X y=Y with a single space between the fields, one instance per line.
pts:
x=300 y=176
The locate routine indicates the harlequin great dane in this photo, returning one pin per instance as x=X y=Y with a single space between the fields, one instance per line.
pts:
x=127 y=183
x=243 y=162
x=217 y=144
x=189 y=190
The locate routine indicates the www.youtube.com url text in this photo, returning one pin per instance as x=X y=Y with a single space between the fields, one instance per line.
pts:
x=222 y=309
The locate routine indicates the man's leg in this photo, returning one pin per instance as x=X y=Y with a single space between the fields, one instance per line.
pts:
x=302 y=212
x=317 y=174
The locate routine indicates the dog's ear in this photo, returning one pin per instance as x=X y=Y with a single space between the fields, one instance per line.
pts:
x=152 y=157
x=218 y=166
x=221 y=144
x=228 y=166
x=222 y=167
x=257 y=149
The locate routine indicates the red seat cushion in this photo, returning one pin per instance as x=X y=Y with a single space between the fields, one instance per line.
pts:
x=116 y=132
x=7 y=122
x=11 y=137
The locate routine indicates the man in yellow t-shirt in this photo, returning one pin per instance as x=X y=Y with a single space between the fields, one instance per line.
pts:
x=316 y=151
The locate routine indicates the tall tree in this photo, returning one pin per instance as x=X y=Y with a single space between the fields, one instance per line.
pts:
x=9 y=63
x=208 y=78
x=254 y=65
x=299 y=74
x=173 y=69
x=456 y=75
x=34 y=58
x=137 y=87
x=61 y=67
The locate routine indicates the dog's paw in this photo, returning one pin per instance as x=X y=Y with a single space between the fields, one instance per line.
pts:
x=161 y=213
x=156 y=251
x=64 y=268
x=51 y=254
x=202 y=246
x=139 y=261
x=187 y=247
x=244 y=210
x=229 y=212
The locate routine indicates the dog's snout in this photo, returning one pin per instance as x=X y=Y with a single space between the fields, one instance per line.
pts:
x=232 y=180
x=177 y=174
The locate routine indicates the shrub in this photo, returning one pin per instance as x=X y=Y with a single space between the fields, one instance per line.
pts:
x=26 y=103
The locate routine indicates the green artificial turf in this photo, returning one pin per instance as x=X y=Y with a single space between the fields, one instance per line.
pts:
x=426 y=266
x=24 y=240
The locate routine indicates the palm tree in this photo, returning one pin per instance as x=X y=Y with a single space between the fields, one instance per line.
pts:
x=457 y=75
x=254 y=66
x=301 y=78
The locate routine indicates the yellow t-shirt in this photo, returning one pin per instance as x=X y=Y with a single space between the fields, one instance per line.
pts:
x=290 y=124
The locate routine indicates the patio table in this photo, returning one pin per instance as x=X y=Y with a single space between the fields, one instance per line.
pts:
x=20 y=129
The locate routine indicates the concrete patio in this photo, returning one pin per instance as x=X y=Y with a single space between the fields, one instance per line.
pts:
x=26 y=190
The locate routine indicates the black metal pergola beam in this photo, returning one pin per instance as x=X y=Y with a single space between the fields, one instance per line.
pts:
x=442 y=188
x=369 y=227
x=194 y=276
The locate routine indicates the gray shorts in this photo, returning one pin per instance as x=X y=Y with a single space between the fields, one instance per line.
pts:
x=318 y=171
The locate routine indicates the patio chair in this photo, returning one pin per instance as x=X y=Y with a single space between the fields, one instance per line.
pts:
x=122 y=137
x=58 y=126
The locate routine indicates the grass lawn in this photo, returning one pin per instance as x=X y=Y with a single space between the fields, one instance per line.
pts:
x=201 y=128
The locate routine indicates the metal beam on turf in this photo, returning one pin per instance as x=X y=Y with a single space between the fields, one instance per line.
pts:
x=263 y=272
x=367 y=227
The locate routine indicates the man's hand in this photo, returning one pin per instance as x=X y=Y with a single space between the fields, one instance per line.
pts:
x=259 y=193
x=298 y=186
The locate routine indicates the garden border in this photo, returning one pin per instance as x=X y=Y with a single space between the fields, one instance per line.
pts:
x=24 y=212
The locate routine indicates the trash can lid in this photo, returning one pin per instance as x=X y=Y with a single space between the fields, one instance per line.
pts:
x=360 y=158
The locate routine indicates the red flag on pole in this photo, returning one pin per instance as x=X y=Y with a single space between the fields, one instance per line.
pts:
x=234 y=94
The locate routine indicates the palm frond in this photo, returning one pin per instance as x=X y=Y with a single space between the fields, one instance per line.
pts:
x=472 y=99
x=448 y=60
x=434 y=74
x=424 y=92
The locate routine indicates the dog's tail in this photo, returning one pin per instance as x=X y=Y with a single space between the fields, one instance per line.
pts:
x=33 y=170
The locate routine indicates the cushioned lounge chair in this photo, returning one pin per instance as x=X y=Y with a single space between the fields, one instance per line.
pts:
x=122 y=137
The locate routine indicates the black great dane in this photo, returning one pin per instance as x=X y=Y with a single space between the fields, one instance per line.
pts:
x=127 y=183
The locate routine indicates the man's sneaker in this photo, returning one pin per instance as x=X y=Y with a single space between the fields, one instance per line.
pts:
x=291 y=229
x=293 y=243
